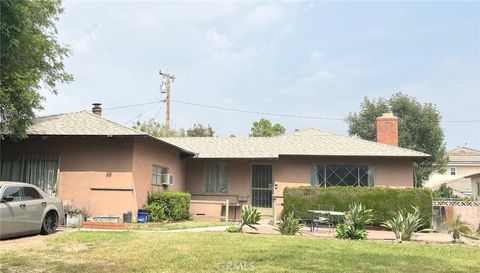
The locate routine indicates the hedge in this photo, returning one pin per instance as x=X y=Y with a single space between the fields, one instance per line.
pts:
x=385 y=202
x=172 y=206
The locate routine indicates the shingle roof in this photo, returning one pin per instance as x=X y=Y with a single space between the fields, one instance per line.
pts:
x=463 y=155
x=312 y=142
x=79 y=123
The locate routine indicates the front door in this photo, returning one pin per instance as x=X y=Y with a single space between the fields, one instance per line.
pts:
x=262 y=185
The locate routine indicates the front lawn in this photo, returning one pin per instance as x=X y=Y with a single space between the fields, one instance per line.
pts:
x=221 y=252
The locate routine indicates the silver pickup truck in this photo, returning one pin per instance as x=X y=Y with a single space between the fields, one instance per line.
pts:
x=26 y=209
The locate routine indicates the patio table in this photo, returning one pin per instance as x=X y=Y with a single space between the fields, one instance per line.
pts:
x=323 y=212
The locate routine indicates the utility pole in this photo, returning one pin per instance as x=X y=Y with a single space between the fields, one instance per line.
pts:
x=168 y=79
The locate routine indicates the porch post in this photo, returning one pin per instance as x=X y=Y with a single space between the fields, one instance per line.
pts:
x=227 y=207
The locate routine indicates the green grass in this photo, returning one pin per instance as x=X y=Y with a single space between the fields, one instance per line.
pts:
x=221 y=252
x=177 y=225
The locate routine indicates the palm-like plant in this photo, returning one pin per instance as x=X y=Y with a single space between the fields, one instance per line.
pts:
x=457 y=227
x=404 y=225
x=360 y=216
x=250 y=216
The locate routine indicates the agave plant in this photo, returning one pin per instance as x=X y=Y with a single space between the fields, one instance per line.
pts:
x=457 y=227
x=289 y=225
x=360 y=216
x=250 y=217
x=404 y=225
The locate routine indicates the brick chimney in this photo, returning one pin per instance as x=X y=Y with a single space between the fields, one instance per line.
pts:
x=97 y=109
x=387 y=129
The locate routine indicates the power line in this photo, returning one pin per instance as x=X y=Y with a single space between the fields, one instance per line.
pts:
x=260 y=113
x=130 y=106
x=141 y=114
x=255 y=112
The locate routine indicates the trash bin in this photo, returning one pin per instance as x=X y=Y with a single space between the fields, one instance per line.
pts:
x=127 y=217
x=142 y=216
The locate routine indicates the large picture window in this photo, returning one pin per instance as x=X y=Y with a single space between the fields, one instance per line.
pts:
x=342 y=175
x=215 y=177
x=36 y=169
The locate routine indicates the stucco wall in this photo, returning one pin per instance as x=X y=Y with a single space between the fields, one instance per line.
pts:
x=147 y=152
x=86 y=163
x=291 y=171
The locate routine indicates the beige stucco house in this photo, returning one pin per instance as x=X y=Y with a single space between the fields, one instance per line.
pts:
x=462 y=162
x=109 y=169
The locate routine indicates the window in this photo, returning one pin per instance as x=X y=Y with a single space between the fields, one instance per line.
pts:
x=453 y=171
x=36 y=169
x=30 y=193
x=343 y=175
x=15 y=192
x=157 y=172
x=215 y=177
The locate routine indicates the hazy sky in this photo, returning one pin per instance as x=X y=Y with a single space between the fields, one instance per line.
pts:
x=303 y=58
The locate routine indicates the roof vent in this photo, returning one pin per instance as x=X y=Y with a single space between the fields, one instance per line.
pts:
x=97 y=109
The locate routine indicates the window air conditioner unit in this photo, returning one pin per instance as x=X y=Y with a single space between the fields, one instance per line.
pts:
x=167 y=179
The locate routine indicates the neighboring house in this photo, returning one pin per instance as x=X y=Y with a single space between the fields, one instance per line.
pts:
x=109 y=168
x=475 y=185
x=462 y=162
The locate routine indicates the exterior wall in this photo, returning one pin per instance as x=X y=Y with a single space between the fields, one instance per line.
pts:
x=148 y=152
x=95 y=173
x=289 y=171
x=106 y=176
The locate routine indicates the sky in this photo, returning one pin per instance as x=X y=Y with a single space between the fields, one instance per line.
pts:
x=299 y=58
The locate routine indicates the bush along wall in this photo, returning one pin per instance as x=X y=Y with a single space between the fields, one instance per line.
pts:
x=385 y=202
x=172 y=206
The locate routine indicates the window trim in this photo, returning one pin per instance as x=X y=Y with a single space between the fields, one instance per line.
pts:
x=324 y=184
x=205 y=178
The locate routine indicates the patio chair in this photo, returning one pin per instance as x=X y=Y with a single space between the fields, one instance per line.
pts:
x=322 y=219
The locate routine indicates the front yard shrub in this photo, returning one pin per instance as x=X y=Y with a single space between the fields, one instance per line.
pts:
x=457 y=227
x=356 y=220
x=233 y=229
x=172 y=206
x=385 y=202
x=289 y=225
x=404 y=224
x=250 y=217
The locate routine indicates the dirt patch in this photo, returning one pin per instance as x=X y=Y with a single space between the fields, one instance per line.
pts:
x=35 y=242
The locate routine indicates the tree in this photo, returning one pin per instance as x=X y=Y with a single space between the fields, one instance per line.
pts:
x=198 y=130
x=157 y=129
x=419 y=129
x=444 y=191
x=457 y=227
x=264 y=128
x=31 y=58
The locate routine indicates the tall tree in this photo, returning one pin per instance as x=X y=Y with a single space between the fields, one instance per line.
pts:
x=157 y=129
x=264 y=128
x=31 y=58
x=199 y=130
x=419 y=129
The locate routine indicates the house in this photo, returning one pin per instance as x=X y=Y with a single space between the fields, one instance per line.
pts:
x=109 y=169
x=462 y=162
x=475 y=185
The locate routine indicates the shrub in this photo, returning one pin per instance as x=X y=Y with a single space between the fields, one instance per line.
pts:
x=385 y=202
x=348 y=231
x=289 y=225
x=172 y=206
x=250 y=216
x=404 y=224
x=355 y=221
x=457 y=227
x=233 y=229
